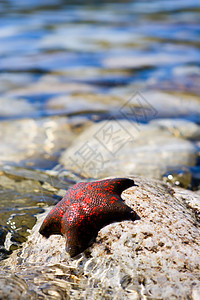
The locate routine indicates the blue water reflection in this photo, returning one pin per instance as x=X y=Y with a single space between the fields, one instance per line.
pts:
x=147 y=44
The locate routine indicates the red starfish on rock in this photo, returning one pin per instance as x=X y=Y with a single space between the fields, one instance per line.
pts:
x=85 y=209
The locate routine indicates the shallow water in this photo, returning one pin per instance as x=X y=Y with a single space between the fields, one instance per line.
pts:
x=80 y=60
x=106 y=46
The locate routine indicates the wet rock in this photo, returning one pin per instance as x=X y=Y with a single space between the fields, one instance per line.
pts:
x=180 y=177
x=84 y=102
x=14 y=81
x=163 y=105
x=23 y=194
x=136 y=106
x=179 y=128
x=186 y=177
x=30 y=180
x=11 y=107
x=112 y=147
x=196 y=177
x=146 y=59
x=154 y=257
x=30 y=139
x=50 y=85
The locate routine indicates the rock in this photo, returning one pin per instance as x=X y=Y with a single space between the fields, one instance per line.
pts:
x=84 y=103
x=11 y=107
x=49 y=85
x=14 y=81
x=179 y=127
x=138 y=106
x=180 y=177
x=145 y=59
x=23 y=194
x=112 y=147
x=31 y=139
x=165 y=105
x=156 y=257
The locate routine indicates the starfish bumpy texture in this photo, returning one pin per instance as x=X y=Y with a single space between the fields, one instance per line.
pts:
x=85 y=209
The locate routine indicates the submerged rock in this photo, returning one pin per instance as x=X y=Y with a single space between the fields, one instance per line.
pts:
x=154 y=257
x=31 y=139
x=23 y=194
x=179 y=128
x=120 y=146
x=79 y=103
x=49 y=85
x=11 y=107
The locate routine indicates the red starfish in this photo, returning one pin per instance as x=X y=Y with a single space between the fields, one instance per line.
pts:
x=85 y=209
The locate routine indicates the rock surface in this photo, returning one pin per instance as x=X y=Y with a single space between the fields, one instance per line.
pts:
x=156 y=257
x=11 y=107
x=30 y=139
x=84 y=102
x=115 y=146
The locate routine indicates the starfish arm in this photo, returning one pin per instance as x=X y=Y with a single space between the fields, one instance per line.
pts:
x=117 y=185
x=114 y=211
x=74 y=245
x=79 y=235
x=120 y=211
x=51 y=224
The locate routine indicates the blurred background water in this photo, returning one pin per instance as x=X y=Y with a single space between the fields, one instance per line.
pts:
x=65 y=64
x=108 y=45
